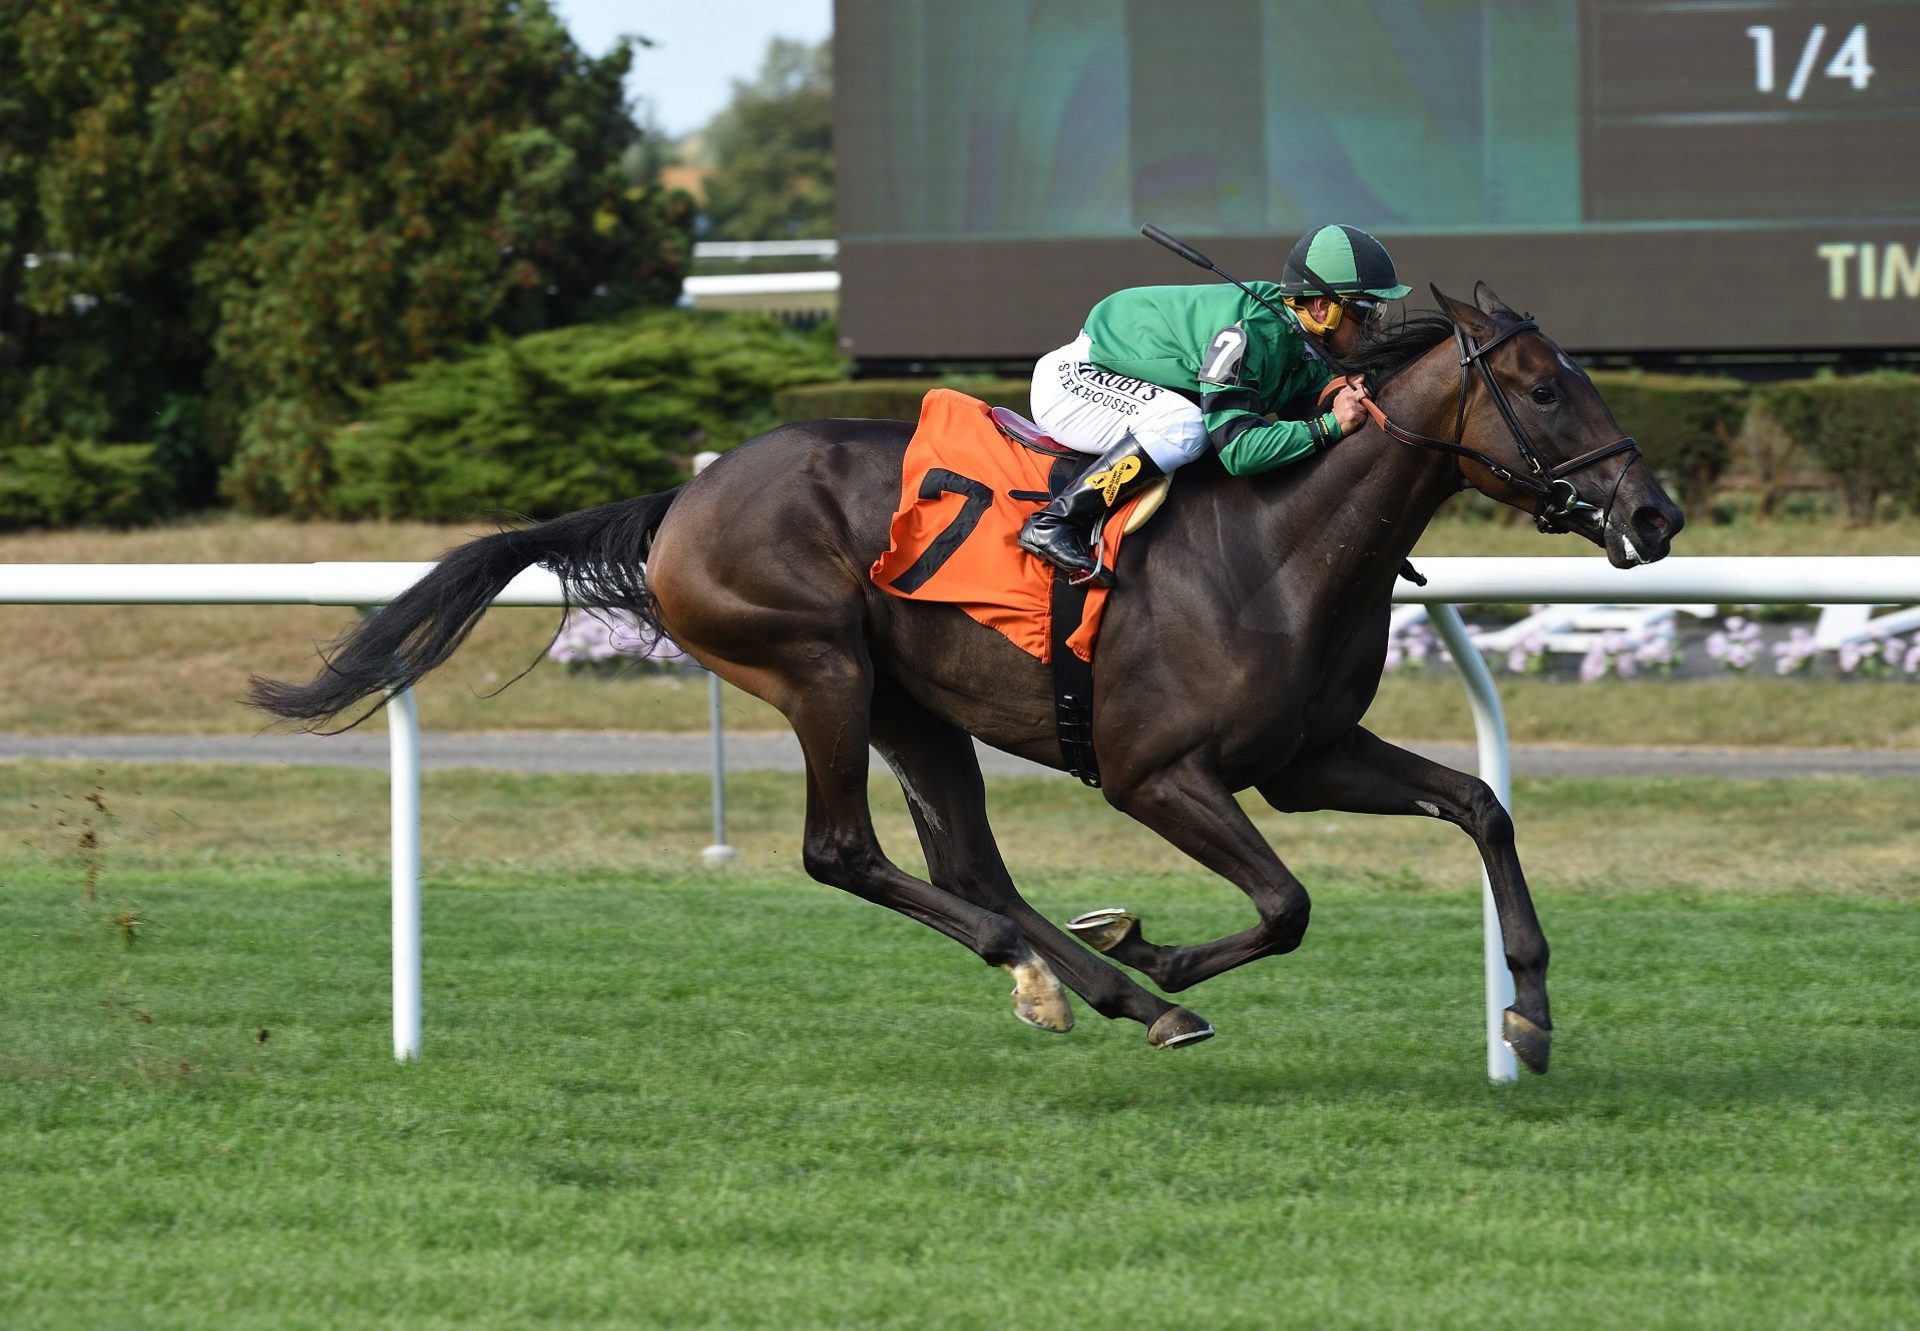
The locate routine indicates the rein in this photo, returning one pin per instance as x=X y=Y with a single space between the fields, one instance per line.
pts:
x=1556 y=496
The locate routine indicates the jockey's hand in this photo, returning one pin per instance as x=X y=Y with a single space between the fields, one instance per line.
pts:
x=1348 y=406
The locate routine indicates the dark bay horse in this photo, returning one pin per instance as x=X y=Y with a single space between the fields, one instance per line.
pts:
x=1242 y=650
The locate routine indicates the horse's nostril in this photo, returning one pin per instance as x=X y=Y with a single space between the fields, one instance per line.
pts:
x=1651 y=521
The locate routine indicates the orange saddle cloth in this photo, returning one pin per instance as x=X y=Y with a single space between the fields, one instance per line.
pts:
x=965 y=491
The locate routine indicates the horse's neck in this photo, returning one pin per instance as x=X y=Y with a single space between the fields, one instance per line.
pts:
x=1357 y=514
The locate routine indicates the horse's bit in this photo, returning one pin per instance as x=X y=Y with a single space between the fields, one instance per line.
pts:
x=1549 y=485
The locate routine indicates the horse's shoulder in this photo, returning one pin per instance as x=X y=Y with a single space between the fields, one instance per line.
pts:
x=1207 y=496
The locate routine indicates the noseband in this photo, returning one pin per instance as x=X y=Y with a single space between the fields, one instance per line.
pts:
x=1556 y=499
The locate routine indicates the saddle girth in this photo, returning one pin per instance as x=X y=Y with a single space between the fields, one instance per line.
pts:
x=1072 y=677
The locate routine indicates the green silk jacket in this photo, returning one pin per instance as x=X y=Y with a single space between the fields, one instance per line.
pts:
x=1166 y=335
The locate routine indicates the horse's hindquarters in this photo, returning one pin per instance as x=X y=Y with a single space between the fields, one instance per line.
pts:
x=765 y=552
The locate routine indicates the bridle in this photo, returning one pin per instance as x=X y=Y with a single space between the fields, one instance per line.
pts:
x=1556 y=499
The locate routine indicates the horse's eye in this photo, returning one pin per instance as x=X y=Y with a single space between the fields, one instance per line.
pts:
x=1543 y=394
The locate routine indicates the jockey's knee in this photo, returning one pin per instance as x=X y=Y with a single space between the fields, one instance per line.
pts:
x=1173 y=440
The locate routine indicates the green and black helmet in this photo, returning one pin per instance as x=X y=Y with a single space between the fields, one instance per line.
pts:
x=1340 y=261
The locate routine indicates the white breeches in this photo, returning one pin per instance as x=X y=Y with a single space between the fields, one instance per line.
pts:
x=1090 y=409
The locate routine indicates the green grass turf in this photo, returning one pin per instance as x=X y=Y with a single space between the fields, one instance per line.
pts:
x=655 y=1098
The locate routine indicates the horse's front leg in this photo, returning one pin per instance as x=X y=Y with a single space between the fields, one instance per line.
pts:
x=1190 y=805
x=1365 y=774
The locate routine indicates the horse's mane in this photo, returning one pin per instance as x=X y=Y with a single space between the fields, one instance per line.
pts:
x=1385 y=351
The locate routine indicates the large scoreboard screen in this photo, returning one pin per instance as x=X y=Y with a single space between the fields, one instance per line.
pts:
x=1649 y=176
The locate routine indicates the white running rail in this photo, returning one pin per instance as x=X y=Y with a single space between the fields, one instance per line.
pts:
x=1812 y=580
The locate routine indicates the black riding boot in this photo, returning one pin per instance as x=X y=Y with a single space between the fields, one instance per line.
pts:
x=1062 y=532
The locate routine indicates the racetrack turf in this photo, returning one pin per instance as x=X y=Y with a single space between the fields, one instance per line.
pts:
x=667 y=1100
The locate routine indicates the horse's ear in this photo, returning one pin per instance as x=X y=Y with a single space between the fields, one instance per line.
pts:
x=1483 y=297
x=1469 y=317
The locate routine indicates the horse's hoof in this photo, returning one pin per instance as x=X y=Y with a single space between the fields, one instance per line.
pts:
x=1178 y=1026
x=1038 y=998
x=1529 y=1043
x=1105 y=929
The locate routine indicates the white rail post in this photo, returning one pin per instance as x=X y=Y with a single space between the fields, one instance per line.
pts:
x=403 y=742
x=403 y=795
x=719 y=852
x=1496 y=769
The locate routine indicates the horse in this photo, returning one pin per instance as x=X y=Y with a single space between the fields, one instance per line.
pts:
x=1242 y=651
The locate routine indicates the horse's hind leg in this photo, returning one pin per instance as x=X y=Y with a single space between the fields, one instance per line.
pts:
x=940 y=776
x=1369 y=775
x=785 y=619
x=826 y=691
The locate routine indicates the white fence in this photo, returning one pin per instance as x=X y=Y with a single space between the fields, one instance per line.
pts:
x=1886 y=580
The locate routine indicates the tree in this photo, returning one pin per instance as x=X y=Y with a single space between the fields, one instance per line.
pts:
x=772 y=149
x=87 y=348
x=262 y=208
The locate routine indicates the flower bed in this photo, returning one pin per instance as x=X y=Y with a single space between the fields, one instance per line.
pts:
x=612 y=642
x=1738 y=645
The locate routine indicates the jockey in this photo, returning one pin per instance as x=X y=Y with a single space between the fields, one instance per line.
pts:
x=1161 y=373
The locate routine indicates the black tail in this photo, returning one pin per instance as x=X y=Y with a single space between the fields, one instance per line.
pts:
x=597 y=554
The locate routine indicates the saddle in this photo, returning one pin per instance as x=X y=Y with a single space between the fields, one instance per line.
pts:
x=971 y=476
x=1024 y=432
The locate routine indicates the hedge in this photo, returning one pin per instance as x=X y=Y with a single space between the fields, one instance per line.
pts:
x=891 y=399
x=1685 y=424
x=1864 y=430
x=68 y=482
x=635 y=399
x=564 y=420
